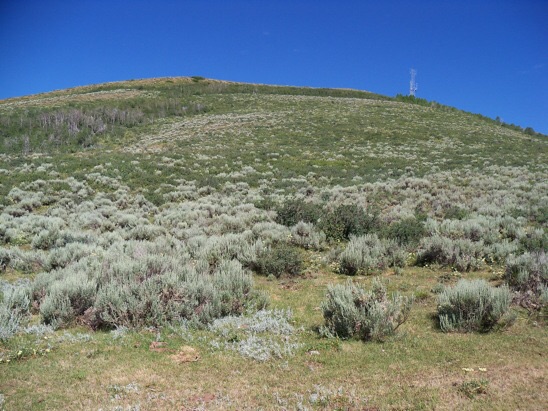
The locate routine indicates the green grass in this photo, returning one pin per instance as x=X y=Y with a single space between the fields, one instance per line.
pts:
x=420 y=367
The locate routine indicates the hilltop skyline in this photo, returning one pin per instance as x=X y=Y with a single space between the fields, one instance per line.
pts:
x=485 y=57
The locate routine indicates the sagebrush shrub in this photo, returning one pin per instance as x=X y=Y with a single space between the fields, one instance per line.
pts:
x=350 y=311
x=527 y=274
x=527 y=271
x=305 y=235
x=367 y=254
x=477 y=228
x=138 y=283
x=21 y=260
x=45 y=239
x=242 y=247
x=535 y=241
x=472 y=305
x=56 y=310
x=172 y=297
x=270 y=231
x=69 y=298
x=5 y=234
x=16 y=296
x=498 y=252
x=9 y=322
x=261 y=336
x=462 y=254
x=188 y=293
x=145 y=232
x=14 y=305
x=62 y=257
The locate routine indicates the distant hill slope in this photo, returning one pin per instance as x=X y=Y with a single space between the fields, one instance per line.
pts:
x=214 y=129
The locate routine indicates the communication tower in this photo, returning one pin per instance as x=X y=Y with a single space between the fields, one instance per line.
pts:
x=413 y=85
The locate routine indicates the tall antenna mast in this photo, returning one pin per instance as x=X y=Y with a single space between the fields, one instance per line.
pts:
x=413 y=85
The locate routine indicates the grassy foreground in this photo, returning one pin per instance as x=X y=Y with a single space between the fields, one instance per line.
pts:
x=419 y=368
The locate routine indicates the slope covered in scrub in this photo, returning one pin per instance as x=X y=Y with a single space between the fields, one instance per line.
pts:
x=184 y=215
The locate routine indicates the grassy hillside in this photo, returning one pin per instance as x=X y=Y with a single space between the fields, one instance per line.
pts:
x=174 y=243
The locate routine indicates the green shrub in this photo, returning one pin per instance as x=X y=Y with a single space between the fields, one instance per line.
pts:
x=350 y=311
x=279 y=259
x=295 y=210
x=541 y=215
x=455 y=213
x=337 y=224
x=347 y=220
x=5 y=232
x=406 y=232
x=472 y=305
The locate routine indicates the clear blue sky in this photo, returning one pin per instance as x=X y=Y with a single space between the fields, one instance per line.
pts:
x=483 y=56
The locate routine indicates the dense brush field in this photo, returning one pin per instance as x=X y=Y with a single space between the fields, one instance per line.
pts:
x=186 y=243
